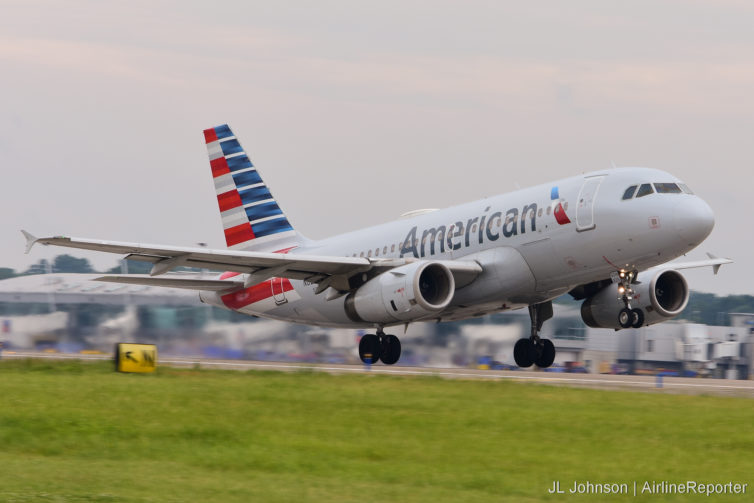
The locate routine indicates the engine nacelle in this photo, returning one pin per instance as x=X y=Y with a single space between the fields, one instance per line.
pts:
x=406 y=293
x=662 y=297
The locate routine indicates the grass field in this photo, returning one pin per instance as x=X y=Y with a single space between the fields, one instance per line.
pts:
x=73 y=431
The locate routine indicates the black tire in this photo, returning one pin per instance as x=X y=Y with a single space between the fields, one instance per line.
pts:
x=637 y=315
x=370 y=348
x=625 y=318
x=524 y=353
x=548 y=354
x=391 y=350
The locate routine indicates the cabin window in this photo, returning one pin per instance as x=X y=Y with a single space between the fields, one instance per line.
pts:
x=361 y=254
x=384 y=250
x=629 y=193
x=392 y=248
x=549 y=209
x=369 y=254
x=667 y=188
x=644 y=190
x=539 y=213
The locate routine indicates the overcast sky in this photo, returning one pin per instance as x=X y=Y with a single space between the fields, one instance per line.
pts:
x=355 y=113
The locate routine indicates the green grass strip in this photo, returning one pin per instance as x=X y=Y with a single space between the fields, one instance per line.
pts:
x=72 y=431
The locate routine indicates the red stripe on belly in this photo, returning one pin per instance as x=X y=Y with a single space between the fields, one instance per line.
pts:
x=256 y=293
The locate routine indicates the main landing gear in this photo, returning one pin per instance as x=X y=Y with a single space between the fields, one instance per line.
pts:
x=534 y=350
x=627 y=317
x=380 y=346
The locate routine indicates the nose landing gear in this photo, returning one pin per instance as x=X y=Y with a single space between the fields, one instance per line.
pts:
x=380 y=346
x=627 y=317
x=535 y=350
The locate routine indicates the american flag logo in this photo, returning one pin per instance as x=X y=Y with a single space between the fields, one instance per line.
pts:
x=249 y=212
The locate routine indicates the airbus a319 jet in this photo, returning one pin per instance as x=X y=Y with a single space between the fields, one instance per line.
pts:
x=602 y=237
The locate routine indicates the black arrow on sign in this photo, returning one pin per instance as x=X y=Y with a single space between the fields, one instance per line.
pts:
x=129 y=357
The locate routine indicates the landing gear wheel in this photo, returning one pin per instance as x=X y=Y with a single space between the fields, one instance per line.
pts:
x=391 y=349
x=637 y=318
x=370 y=348
x=547 y=356
x=524 y=353
x=625 y=318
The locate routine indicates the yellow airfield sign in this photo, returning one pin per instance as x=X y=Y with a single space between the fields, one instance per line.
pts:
x=135 y=357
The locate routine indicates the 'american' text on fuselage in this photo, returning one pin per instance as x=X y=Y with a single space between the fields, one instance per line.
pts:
x=458 y=234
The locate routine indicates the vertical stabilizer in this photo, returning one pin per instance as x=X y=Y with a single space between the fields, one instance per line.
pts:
x=251 y=217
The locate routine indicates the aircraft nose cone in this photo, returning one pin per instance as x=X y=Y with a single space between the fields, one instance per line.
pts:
x=694 y=220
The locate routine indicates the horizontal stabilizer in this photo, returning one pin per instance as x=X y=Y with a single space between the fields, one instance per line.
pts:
x=214 y=285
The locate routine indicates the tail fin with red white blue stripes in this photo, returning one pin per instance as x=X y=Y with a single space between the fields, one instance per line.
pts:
x=252 y=219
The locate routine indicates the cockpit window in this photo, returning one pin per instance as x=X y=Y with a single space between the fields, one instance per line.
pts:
x=667 y=188
x=629 y=193
x=644 y=190
x=685 y=188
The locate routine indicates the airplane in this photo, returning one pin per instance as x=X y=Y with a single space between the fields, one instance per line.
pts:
x=604 y=237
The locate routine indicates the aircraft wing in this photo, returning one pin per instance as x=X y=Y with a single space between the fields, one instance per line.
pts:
x=73 y=288
x=326 y=271
x=714 y=262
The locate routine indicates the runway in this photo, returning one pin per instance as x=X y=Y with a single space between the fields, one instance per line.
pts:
x=742 y=388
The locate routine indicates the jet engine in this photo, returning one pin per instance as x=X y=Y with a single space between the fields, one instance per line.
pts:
x=406 y=293
x=660 y=298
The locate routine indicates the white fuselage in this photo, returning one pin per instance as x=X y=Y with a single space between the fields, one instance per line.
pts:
x=533 y=245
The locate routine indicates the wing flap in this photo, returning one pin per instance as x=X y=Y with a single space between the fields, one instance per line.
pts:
x=214 y=285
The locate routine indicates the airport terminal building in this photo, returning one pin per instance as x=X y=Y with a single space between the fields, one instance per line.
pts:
x=32 y=318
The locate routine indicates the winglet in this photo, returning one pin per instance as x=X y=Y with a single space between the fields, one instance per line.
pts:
x=30 y=240
x=715 y=267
